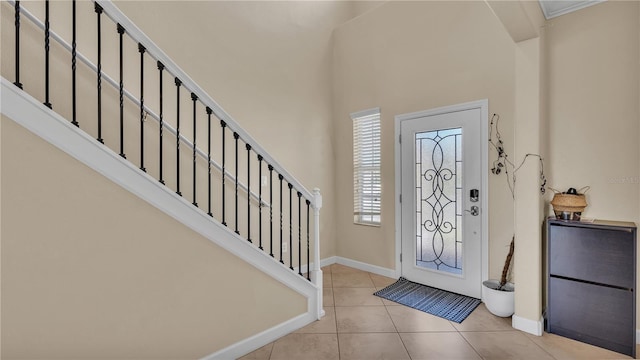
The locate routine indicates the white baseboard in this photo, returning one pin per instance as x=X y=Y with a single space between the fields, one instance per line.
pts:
x=366 y=267
x=328 y=261
x=324 y=262
x=529 y=326
x=255 y=342
x=537 y=327
x=356 y=265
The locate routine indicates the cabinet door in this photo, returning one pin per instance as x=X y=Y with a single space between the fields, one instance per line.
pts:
x=603 y=256
x=594 y=314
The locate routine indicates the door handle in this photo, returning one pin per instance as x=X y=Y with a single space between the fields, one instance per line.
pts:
x=474 y=211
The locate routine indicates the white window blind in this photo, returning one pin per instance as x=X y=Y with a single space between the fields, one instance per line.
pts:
x=367 y=187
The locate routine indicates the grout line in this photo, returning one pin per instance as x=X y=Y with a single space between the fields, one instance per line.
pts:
x=392 y=321
x=404 y=345
x=471 y=346
x=273 y=344
x=335 y=312
x=476 y=331
x=535 y=343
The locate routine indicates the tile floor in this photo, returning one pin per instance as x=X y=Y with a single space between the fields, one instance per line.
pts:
x=359 y=325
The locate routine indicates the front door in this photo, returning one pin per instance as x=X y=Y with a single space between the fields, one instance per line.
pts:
x=441 y=197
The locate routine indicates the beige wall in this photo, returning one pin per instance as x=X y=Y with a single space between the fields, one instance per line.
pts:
x=588 y=111
x=528 y=216
x=412 y=56
x=593 y=106
x=89 y=269
x=594 y=117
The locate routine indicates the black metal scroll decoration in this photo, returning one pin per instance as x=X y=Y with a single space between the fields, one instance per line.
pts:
x=438 y=202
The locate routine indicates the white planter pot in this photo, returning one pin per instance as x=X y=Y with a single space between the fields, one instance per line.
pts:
x=498 y=302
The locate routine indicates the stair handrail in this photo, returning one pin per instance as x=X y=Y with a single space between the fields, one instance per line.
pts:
x=126 y=93
x=113 y=12
x=315 y=197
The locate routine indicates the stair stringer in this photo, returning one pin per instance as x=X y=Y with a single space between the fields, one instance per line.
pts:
x=41 y=121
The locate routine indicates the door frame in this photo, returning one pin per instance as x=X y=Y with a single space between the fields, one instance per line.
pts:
x=483 y=105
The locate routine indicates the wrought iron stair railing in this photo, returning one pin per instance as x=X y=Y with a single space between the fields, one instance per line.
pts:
x=262 y=170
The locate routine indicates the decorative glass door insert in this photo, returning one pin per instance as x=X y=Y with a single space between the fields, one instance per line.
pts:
x=439 y=200
x=442 y=166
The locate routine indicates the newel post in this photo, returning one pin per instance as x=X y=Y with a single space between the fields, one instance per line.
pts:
x=316 y=273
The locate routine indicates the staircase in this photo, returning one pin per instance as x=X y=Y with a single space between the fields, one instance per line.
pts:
x=172 y=145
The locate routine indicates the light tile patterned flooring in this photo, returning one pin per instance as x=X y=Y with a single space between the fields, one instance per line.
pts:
x=359 y=325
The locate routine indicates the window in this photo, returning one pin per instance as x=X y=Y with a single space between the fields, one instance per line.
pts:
x=367 y=188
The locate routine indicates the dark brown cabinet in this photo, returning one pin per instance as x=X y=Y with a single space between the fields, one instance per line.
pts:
x=591 y=282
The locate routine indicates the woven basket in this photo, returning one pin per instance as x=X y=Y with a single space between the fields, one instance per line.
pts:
x=569 y=203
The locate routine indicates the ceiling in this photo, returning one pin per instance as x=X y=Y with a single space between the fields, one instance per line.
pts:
x=553 y=8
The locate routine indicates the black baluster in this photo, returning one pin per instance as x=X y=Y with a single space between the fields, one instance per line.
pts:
x=270 y=210
x=194 y=98
x=300 y=236
x=260 y=202
x=224 y=174
x=290 y=228
x=47 y=35
x=142 y=50
x=280 y=177
x=209 y=112
x=121 y=90
x=160 y=69
x=248 y=192
x=74 y=55
x=17 y=24
x=308 y=263
x=236 y=136
x=98 y=10
x=178 y=84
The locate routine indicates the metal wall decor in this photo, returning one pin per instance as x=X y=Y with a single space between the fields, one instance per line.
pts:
x=439 y=200
x=503 y=163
